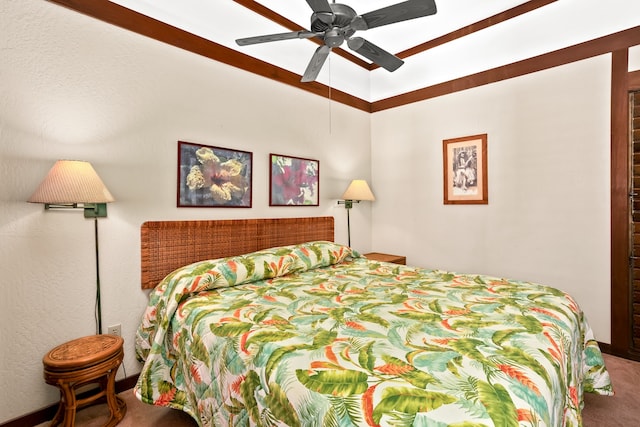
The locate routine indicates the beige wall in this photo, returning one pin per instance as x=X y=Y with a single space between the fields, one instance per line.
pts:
x=73 y=87
x=548 y=158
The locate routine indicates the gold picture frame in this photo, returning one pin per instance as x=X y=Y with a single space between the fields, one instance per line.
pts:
x=465 y=170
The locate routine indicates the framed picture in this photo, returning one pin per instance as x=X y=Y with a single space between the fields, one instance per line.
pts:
x=465 y=170
x=293 y=181
x=213 y=176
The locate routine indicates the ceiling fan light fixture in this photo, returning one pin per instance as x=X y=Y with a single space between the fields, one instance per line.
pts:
x=333 y=37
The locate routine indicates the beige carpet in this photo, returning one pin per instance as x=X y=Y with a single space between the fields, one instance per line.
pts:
x=622 y=410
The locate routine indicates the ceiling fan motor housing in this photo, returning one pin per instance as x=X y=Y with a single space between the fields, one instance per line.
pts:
x=338 y=30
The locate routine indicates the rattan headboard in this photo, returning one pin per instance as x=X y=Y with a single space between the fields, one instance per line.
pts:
x=167 y=245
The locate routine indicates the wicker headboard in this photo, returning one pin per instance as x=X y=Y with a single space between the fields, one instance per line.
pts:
x=167 y=245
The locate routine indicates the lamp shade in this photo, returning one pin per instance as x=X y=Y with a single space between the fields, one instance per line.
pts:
x=71 y=181
x=358 y=190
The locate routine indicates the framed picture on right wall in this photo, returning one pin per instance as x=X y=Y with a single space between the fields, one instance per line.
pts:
x=465 y=170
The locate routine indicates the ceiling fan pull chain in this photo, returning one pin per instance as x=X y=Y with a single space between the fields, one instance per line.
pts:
x=330 y=110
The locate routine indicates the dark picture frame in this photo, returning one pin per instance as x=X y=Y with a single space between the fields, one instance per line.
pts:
x=211 y=176
x=465 y=170
x=293 y=181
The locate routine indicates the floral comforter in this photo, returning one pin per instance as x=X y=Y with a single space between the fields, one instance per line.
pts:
x=316 y=335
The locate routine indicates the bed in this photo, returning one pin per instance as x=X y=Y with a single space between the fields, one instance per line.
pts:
x=271 y=323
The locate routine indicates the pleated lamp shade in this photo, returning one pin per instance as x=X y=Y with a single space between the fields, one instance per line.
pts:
x=358 y=190
x=71 y=181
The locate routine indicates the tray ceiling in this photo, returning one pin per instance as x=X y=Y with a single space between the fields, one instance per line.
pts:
x=462 y=38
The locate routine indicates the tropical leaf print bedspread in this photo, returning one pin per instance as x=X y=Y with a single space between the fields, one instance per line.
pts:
x=315 y=335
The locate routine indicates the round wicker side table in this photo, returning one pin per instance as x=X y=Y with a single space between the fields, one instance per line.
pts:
x=87 y=360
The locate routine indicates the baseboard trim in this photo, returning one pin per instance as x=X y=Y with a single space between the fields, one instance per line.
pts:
x=45 y=414
x=630 y=354
x=604 y=347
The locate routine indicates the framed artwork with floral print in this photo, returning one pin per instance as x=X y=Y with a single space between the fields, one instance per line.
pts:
x=213 y=176
x=293 y=181
x=465 y=170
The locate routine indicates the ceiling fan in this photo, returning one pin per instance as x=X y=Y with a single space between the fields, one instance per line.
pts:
x=334 y=23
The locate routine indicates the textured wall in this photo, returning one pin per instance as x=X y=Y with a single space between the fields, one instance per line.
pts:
x=72 y=87
x=76 y=88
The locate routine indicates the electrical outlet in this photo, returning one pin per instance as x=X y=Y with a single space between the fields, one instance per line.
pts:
x=115 y=330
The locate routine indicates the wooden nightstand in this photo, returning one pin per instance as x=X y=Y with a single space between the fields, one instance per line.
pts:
x=377 y=256
x=87 y=360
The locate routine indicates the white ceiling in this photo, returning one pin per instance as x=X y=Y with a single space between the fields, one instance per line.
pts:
x=554 y=26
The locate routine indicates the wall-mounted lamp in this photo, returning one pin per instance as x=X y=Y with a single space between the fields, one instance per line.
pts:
x=357 y=191
x=72 y=184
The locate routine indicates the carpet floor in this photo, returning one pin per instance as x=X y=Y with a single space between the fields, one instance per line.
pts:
x=621 y=410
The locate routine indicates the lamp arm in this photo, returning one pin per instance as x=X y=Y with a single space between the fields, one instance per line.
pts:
x=91 y=210
x=348 y=204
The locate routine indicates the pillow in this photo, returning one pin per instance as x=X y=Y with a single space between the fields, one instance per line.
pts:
x=231 y=271
x=316 y=254
x=255 y=266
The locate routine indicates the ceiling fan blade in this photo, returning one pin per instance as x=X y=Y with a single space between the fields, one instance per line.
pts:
x=276 y=37
x=404 y=11
x=374 y=53
x=322 y=10
x=316 y=63
x=320 y=6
